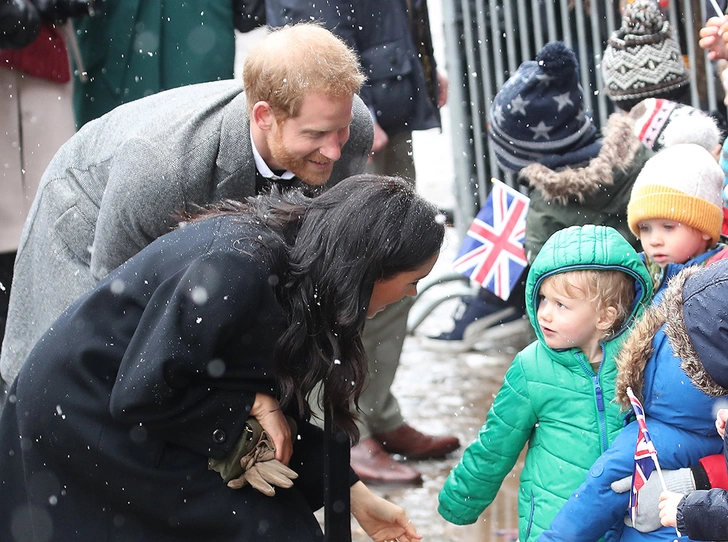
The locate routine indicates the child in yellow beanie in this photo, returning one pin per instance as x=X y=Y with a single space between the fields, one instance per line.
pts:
x=675 y=210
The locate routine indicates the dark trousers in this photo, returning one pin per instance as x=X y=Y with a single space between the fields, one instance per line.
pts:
x=7 y=259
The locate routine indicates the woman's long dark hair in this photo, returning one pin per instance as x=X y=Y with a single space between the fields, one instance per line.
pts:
x=328 y=252
x=364 y=229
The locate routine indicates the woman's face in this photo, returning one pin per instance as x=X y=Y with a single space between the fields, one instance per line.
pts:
x=391 y=290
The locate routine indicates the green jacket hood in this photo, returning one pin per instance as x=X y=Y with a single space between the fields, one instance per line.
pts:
x=587 y=247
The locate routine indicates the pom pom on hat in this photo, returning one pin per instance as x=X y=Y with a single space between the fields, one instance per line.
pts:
x=538 y=115
x=557 y=60
x=681 y=183
x=698 y=129
x=642 y=59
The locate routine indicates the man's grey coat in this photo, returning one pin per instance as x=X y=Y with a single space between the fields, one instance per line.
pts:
x=114 y=187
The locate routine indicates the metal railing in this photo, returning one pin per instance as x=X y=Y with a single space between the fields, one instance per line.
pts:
x=486 y=41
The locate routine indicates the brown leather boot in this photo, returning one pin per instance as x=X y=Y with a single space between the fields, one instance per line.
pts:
x=409 y=442
x=375 y=466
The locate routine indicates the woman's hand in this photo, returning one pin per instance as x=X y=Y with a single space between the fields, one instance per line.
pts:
x=382 y=520
x=268 y=412
x=668 y=508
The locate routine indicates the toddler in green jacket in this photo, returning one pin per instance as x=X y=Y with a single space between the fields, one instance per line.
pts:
x=584 y=290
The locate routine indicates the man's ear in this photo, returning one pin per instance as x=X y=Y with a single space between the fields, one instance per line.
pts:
x=607 y=319
x=263 y=116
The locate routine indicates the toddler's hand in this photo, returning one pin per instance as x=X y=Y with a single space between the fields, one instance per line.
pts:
x=668 y=507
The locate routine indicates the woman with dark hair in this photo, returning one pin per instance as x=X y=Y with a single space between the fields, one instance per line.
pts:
x=108 y=428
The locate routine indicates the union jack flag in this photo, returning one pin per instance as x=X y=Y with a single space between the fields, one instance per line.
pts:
x=492 y=253
x=645 y=455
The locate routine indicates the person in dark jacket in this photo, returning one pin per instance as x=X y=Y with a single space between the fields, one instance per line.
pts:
x=156 y=369
x=701 y=336
x=19 y=23
x=403 y=92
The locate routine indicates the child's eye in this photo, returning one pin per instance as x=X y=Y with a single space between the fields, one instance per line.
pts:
x=642 y=227
x=669 y=227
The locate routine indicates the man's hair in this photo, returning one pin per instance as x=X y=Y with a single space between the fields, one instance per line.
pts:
x=297 y=60
x=603 y=288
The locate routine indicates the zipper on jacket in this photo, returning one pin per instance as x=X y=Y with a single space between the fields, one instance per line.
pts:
x=599 y=396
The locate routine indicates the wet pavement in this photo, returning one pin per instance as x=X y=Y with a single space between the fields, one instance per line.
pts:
x=451 y=393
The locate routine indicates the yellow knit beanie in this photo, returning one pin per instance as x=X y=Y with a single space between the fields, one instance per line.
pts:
x=683 y=183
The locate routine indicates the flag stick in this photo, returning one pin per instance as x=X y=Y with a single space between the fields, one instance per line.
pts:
x=717 y=9
x=654 y=458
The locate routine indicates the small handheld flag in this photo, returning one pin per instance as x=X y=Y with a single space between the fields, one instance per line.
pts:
x=492 y=253
x=645 y=457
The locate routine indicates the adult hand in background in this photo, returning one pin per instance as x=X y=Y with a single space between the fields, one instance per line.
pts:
x=713 y=38
x=442 y=86
x=720 y=421
x=380 y=138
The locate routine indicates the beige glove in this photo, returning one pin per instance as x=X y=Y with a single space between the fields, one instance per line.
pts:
x=252 y=461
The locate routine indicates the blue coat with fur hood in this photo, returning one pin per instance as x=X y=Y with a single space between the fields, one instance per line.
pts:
x=550 y=399
x=668 y=377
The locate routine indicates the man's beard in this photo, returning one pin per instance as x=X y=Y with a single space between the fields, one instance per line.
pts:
x=300 y=167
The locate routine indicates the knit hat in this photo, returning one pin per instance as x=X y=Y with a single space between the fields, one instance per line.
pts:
x=682 y=183
x=660 y=123
x=724 y=166
x=642 y=59
x=538 y=115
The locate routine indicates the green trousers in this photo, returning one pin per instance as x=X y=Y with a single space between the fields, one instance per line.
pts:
x=384 y=334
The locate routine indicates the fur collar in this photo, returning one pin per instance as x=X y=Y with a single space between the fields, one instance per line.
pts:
x=637 y=348
x=619 y=147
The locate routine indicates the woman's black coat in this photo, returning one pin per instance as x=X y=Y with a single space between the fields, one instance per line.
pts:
x=110 y=423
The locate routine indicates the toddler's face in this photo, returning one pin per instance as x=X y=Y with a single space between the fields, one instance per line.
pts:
x=569 y=321
x=667 y=241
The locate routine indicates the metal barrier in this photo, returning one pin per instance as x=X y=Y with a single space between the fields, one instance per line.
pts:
x=486 y=41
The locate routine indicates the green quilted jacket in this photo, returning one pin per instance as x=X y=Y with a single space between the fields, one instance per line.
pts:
x=550 y=400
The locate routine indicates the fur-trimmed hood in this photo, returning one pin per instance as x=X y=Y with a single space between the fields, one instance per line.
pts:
x=619 y=148
x=681 y=325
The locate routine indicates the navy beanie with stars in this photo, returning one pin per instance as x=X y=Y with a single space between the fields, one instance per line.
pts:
x=539 y=116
